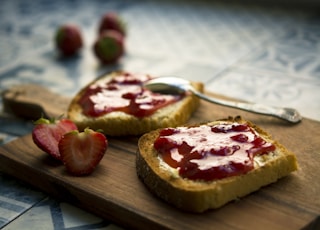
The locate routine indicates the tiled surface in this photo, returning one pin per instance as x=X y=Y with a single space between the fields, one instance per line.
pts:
x=267 y=54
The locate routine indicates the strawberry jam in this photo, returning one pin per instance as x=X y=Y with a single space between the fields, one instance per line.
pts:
x=211 y=152
x=125 y=93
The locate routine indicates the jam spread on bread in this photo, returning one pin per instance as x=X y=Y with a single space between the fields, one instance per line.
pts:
x=211 y=152
x=125 y=93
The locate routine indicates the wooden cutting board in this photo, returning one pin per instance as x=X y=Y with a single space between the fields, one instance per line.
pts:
x=114 y=191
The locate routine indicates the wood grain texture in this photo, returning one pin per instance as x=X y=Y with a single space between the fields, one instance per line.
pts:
x=32 y=101
x=114 y=191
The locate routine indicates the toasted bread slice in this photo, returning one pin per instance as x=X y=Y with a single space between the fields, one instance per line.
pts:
x=118 y=123
x=200 y=195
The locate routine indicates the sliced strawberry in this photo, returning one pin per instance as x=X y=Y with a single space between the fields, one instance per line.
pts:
x=46 y=134
x=82 y=151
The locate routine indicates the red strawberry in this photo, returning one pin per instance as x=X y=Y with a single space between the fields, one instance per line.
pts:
x=82 y=151
x=68 y=39
x=112 y=21
x=46 y=134
x=109 y=47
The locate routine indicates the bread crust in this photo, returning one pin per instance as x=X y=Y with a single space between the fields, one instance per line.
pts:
x=199 y=196
x=123 y=124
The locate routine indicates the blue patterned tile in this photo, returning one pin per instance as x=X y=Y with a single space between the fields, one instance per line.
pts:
x=51 y=214
x=306 y=36
x=5 y=138
x=29 y=26
x=285 y=59
x=276 y=90
x=68 y=76
x=15 y=198
x=212 y=33
x=14 y=126
x=295 y=52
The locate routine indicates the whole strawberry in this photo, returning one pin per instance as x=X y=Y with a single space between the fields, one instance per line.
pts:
x=82 y=151
x=109 y=47
x=68 y=39
x=112 y=21
x=46 y=134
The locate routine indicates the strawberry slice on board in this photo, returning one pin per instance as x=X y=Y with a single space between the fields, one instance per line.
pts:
x=46 y=134
x=81 y=152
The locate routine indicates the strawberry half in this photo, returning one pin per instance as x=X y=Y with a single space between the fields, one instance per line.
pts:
x=46 y=134
x=82 y=151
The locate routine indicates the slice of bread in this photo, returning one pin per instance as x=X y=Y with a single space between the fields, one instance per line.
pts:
x=118 y=123
x=201 y=195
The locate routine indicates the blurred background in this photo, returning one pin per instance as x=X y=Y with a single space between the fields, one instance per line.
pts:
x=261 y=51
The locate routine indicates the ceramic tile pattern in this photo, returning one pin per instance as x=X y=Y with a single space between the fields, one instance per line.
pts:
x=263 y=53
